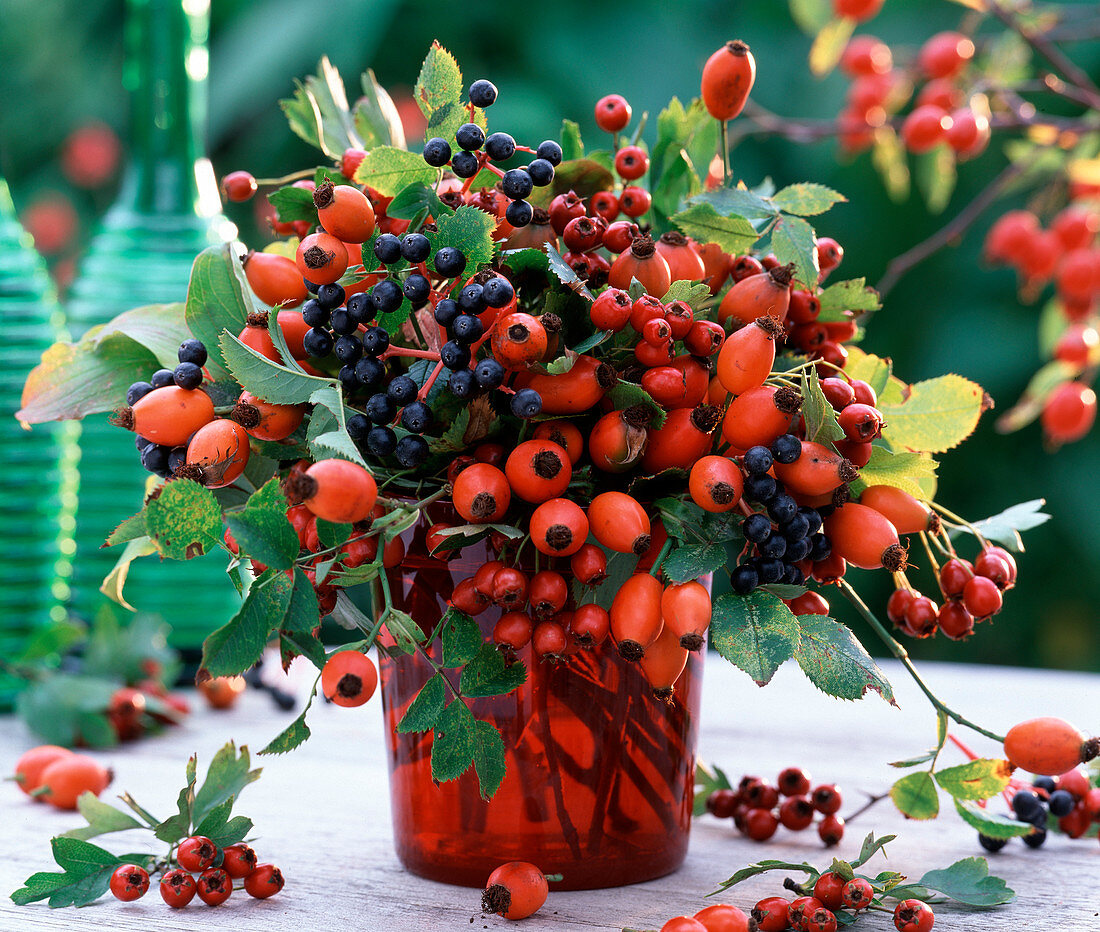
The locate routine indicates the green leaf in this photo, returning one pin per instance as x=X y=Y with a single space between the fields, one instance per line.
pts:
x=292 y=204
x=226 y=776
x=970 y=882
x=265 y=378
x=218 y=299
x=403 y=629
x=438 y=93
x=462 y=638
x=300 y=643
x=705 y=225
x=296 y=733
x=739 y=202
x=937 y=416
x=468 y=230
x=692 y=293
x=178 y=826
x=87 y=874
x=976 y=779
x=888 y=158
x=453 y=742
x=184 y=520
x=829 y=45
x=388 y=169
x=1005 y=528
x=77 y=379
x=684 y=146
x=625 y=395
x=915 y=796
x=332 y=535
x=821 y=423
x=871 y=846
x=488 y=758
x=852 y=295
x=239 y=643
x=793 y=242
x=762 y=867
x=235 y=830
x=375 y=115
x=906 y=471
x=811 y=15
x=413 y=199
x=1046 y=379
x=807 y=199
x=565 y=274
x=488 y=674
x=873 y=370
x=160 y=328
x=56 y=708
x=989 y=823
x=424 y=711
x=571 y=145
x=836 y=663
x=130 y=529
x=936 y=176
x=318 y=112
x=262 y=529
x=755 y=632
x=686 y=563
x=705 y=784
x=303 y=613
x=102 y=818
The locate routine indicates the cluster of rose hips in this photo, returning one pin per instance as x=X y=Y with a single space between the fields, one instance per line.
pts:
x=53 y=774
x=217 y=868
x=758 y=808
x=832 y=894
x=972 y=592
x=1065 y=253
x=1070 y=798
x=941 y=114
x=478 y=151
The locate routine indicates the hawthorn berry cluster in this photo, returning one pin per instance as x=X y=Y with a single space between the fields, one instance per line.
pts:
x=1071 y=798
x=832 y=895
x=972 y=592
x=216 y=868
x=758 y=808
x=1067 y=254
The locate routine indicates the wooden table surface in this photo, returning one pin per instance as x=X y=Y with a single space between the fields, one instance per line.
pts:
x=322 y=813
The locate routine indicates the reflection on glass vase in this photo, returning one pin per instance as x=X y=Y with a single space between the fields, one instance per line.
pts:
x=599 y=771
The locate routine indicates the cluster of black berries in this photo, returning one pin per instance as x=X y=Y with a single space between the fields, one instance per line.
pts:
x=1036 y=806
x=158 y=459
x=517 y=183
x=786 y=533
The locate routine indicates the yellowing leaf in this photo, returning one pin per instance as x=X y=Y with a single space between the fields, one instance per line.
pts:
x=915 y=796
x=905 y=471
x=937 y=415
x=829 y=45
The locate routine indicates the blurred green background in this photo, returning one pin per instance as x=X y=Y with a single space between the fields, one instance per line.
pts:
x=63 y=63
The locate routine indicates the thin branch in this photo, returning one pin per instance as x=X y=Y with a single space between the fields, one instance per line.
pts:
x=1042 y=45
x=956 y=227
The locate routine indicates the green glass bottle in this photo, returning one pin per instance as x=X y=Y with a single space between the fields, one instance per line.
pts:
x=167 y=212
x=38 y=494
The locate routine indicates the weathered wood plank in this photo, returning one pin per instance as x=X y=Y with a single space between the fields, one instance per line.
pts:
x=322 y=813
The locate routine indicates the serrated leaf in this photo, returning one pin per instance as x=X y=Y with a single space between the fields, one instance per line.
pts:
x=184 y=520
x=413 y=199
x=853 y=296
x=565 y=274
x=424 y=711
x=625 y=395
x=888 y=158
x=461 y=638
x=686 y=563
x=571 y=145
x=262 y=529
x=793 y=242
x=388 y=169
x=755 y=632
x=807 y=199
x=1005 y=527
x=762 y=867
x=318 y=112
x=937 y=415
x=907 y=471
x=829 y=45
x=873 y=370
x=375 y=115
x=970 y=882
x=102 y=818
x=292 y=204
x=915 y=796
x=130 y=529
x=488 y=674
x=704 y=224
x=296 y=733
x=453 y=742
x=488 y=758
x=266 y=379
x=226 y=776
x=976 y=779
x=218 y=299
x=692 y=293
x=739 y=202
x=468 y=230
x=438 y=93
x=989 y=823
x=936 y=176
x=178 y=826
x=239 y=643
x=835 y=662
x=86 y=877
x=820 y=418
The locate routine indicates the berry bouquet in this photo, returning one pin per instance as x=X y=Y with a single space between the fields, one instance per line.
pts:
x=506 y=412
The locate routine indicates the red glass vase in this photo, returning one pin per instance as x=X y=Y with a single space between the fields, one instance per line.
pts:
x=599 y=772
